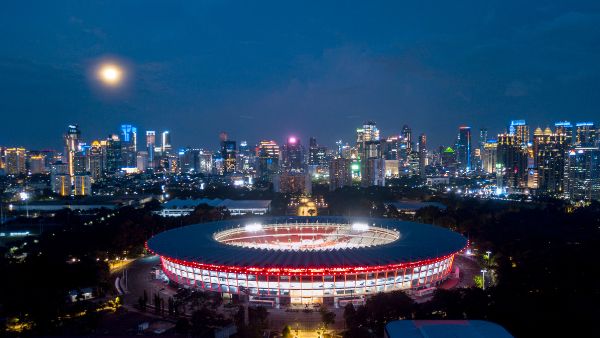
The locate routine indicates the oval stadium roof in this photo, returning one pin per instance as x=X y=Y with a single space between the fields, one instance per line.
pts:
x=195 y=243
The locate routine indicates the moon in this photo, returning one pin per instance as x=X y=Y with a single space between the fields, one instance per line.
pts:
x=110 y=74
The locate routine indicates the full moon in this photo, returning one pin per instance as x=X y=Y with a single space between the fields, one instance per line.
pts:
x=110 y=74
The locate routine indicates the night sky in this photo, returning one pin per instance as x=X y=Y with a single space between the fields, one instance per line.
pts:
x=268 y=70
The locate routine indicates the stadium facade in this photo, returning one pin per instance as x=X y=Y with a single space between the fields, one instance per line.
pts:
x=278 y=261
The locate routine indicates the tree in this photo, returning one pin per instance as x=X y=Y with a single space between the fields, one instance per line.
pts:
x=286 y=332
x=327 y=317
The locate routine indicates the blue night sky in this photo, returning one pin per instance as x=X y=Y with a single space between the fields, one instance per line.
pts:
x=268 y=70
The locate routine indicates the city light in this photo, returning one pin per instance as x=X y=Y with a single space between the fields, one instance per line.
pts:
x=253 y=227
x=360 y=227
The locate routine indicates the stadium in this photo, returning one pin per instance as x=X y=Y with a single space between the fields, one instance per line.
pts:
x=282 y=261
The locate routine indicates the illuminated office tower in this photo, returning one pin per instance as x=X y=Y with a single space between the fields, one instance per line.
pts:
x=368 y=133
x=292 y=155
x=150 y=145
x=489 y=155
x=165 y=142
x=565 y=128
x=15 y=161
x=582 y=174
x=372 y=172
x=511 y=156
x=206 y=162
x=82 y=185
x=189 y=160
x=463 y=149
x=80 y=161
x=142 y=161
x=72 y=139
x=245 y=158
x=340 y=173
x=520 y=130
x=422 y=154
x=317 y=155
x=96 y=159
x=267 y=156
x=392 y=146
x=113 y=154
x=407 y=138
x=586 y=134
x=128 y=145
x=60 y=180
x=37 y=163
x=228 y=154
x=550 y=155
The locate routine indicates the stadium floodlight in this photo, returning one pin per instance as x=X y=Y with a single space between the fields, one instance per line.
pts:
x=253 y=227
x=360 y=227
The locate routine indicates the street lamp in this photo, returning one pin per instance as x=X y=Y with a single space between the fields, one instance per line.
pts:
x=488 y=254
x=24 y=197
x=483 y=271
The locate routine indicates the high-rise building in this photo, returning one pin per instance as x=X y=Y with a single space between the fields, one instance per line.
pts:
x=228 y=154
x=72 y=139
x=292 y=155
x=368 y=133
x=407 y=138
x=340 y=173
x=60 y=180
x=463 y=148
x=150 y=145
x=97 y=159
x=511 y=157
x=520 y=130
x=37 y=163
x=586 y=134
x=128 y=145
x=142 y=161
x=267 y=155
x=422 y=154
x=15 y=159
x=292 y=183
x=372 y=172
x=550 y=156
x=114 y=161
x=165 y=142
x=82 y=185
x=317 y=155
x=489 y=155
x=392 y=146
x=565 y=128
x=582 y=174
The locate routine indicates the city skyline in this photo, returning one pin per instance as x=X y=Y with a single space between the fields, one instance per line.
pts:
x=189 y=71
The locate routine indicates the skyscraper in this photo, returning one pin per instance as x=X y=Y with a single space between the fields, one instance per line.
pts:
x=340 y=173
x=550 y=155
x=72 y=139
x=511 y=159
x=520 y=130
x=267 y=154
x=15 y=161
x=228 y=154
x=113 y=154
x=407 y=138
x=565 y=128
x=582 y=174
x=586 y=134
x=368 y=133
x=150 y=145
x=463 y=148
x=293 y=155
x=128 y=145
x=422 y=154
x=166 y=142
